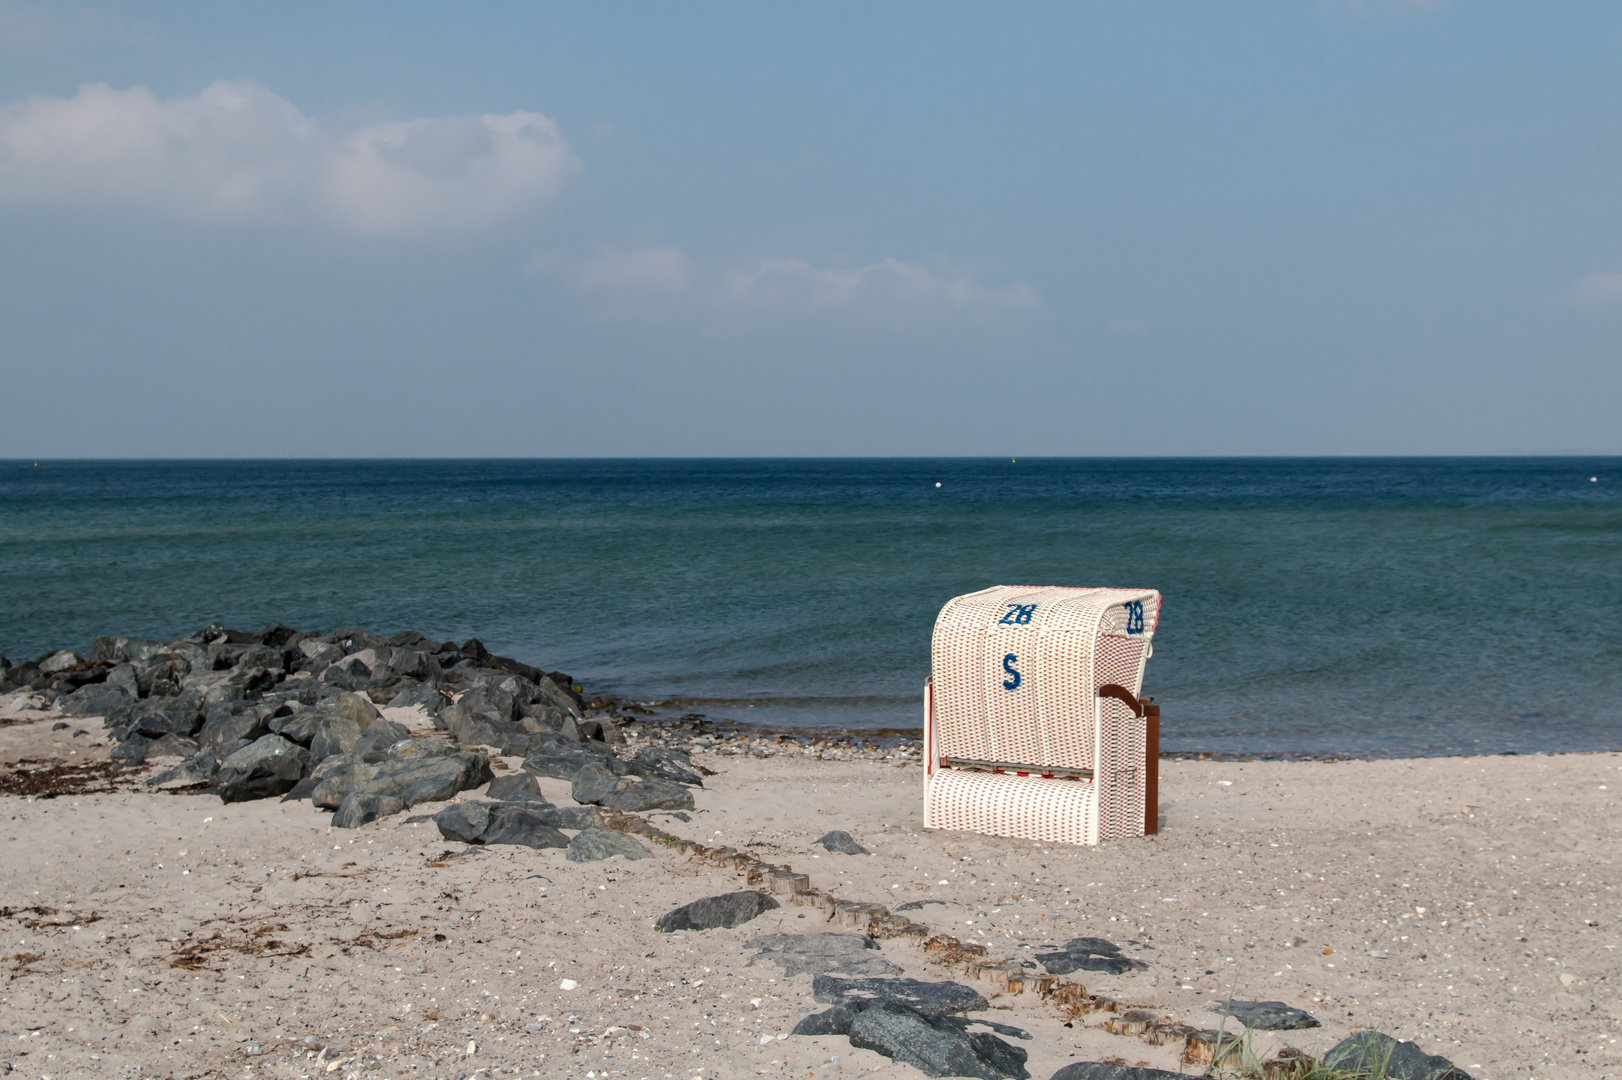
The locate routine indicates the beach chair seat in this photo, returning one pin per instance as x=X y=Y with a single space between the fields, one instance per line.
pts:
x=1032 y=722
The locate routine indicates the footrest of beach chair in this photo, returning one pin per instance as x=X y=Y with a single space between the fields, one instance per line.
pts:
x=1002 y=804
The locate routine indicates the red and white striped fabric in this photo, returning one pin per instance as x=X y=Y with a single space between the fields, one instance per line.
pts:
x=1017 y=740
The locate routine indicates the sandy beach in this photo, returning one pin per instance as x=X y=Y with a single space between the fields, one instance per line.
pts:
x=1468 y=904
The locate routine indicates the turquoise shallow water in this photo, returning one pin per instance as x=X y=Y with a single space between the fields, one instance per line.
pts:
x=1379 y=606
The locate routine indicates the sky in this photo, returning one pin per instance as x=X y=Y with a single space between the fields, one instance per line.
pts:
x=589 y=230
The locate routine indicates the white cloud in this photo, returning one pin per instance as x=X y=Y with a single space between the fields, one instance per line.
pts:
x=237 y=152
x=663 y=284
x=1602 y=289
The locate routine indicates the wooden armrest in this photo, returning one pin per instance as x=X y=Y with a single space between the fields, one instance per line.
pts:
x=1141 y=707
x=1146 y=710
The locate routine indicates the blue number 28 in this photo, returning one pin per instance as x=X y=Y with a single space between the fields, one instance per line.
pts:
x=1134 y=616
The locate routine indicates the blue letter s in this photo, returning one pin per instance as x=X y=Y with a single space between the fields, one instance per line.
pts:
x=1008 y=666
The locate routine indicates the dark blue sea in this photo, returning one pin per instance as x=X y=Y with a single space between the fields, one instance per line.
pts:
x=1337 y=606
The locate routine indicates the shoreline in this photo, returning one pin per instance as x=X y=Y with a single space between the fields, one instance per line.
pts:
x=913 y=737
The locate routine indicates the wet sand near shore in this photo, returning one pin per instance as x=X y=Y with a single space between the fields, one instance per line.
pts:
x=1469 y=904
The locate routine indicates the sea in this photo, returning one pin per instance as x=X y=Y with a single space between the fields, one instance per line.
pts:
x=1371 y=607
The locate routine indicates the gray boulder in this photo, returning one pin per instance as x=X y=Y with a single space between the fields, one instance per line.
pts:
x=477 y=731
x=464 y=821
x=123 y=650
x=1267 y=1015
x=819 y=954
x=834 y=1021
x=180 y=715
x=515 y=822
x=414 y=663
x=537 y=716
x=426 y=696
x=522 y=823
x=273 y=634
x=384 y=688
x=431 y=779
x=357 y=709
x=162 y=676
x=351 y=776
x=482 y=716
x=594 y=784
x=1089 y=954
x=489 y=700
x=1366 y=1051
x=516 y=787
x=658 y=755
x=931 y=998
x=573 y=817
x=59 y=661
x=260 y=656
x=347 y=674
x=415 y=749
x=340 y=765
x=317 y=655
x=713 y=912
x=594 y=781
x=840 y=841
x=97 y=699
x=658 y=763
x=334 y=734
x=124 y=678
x=195 y=654
x=230 y=722
x=644 y=795
x=312 y=647
x=934 y=1045
x=563 y=760
x=522 y=743
x=1103 y=1070
x=131 y=751
x=551 y=693
x=200 y=768
x=269 y=766
x=374 y=743
x=358 y=809
x=172 y=745
x=521 y=690
x=243 y=683
x=593 y=845
x=352 y=640
x=915 y=1022
x=302 y=727
x=601 y=729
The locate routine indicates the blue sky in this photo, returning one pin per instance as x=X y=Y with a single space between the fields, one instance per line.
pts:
x=625 y=230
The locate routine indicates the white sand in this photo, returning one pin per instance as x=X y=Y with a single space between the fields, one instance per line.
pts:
x=1470 y=904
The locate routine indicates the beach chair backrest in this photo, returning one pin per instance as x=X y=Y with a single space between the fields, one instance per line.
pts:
x=1017 y=669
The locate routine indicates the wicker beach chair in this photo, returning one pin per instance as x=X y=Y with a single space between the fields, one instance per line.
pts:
x=1032 y=723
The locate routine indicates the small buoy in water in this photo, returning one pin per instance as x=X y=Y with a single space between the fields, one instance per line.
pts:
x=937 y=483
x=1591 y=479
